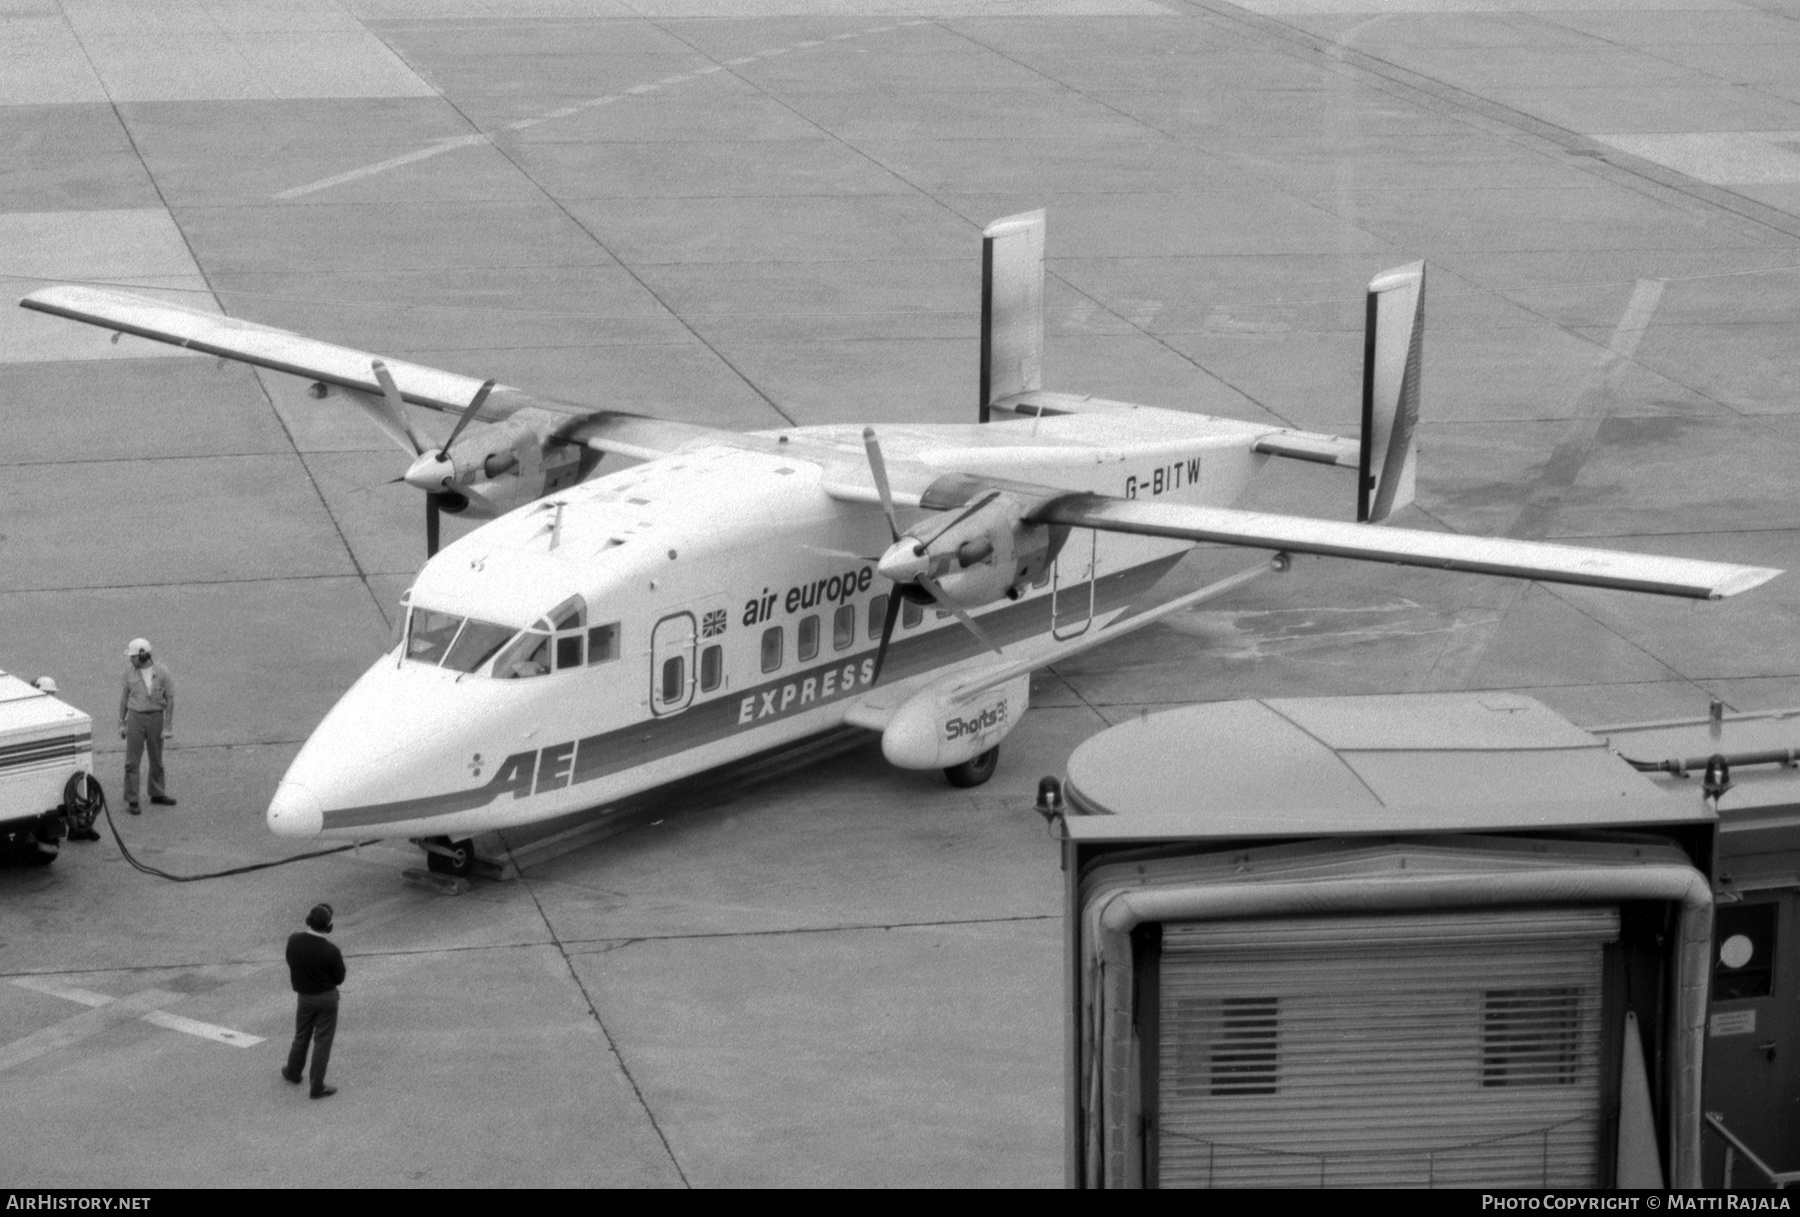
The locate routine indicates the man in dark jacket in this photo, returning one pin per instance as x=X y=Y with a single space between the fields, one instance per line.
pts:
x=316 y=967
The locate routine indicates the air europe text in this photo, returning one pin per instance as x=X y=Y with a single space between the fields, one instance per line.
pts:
x=820 y=592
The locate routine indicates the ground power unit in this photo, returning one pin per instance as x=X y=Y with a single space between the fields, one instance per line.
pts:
x=1425 y=941
x=46 y=749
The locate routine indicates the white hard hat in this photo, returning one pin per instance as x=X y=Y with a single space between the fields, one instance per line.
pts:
x=137 y=646
x=44 y=684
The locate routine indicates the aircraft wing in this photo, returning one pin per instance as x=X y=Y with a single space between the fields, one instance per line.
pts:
x=349 y=369
x=1406 y=547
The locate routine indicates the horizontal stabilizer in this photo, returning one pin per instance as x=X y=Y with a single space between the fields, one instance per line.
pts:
x=1319 y=449
x=1439 y=551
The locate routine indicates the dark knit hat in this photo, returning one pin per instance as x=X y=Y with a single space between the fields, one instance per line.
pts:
x=320 y=918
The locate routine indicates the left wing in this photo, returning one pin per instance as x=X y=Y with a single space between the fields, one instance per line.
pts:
x=1537 y=560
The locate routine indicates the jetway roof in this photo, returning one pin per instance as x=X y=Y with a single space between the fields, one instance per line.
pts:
x=1302 y=767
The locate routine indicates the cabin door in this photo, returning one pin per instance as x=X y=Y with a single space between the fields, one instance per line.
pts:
x=672 y=664
x=1072 y=588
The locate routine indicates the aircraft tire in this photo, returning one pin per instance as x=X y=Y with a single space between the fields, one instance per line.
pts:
x=976 y=770
x=462 y=866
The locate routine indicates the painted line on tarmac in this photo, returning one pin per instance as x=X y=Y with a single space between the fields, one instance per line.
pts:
x=1475 y=627
x=107 y=1012
x=439 y=147
x=81 y=1026
x=206 y=1031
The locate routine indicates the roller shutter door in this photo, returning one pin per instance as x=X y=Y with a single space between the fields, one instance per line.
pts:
x=1446 y=1050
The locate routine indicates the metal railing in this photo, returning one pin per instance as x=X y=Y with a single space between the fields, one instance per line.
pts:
x=1735 y=1146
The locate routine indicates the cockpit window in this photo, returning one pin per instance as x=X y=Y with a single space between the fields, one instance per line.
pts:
x=477 y=644
x=471 y=645
x=571 y=614
x=527 y=655
x=431 y=634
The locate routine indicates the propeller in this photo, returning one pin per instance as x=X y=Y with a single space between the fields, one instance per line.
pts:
x=909 y=560
x=432 y=469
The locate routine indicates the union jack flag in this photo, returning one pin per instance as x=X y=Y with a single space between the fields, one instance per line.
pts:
x=713 y=624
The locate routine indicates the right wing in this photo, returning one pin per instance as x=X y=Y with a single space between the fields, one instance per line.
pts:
x=263 y=346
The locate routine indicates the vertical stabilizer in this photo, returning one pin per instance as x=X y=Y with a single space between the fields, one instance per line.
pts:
x=1393 y=343
x=1012 y=307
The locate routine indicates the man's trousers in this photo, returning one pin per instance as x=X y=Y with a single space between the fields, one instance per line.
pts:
x=143 y=730
x=315 y=1022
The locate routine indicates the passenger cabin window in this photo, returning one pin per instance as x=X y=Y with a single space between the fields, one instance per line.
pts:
x=771 y=648
x=673 y=678
x=712 y=667
x=911 y=614
x=843 y=627
x=603 y=643
x=807 y=644
x=877 y=615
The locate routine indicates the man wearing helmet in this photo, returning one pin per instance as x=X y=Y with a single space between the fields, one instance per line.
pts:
x=146 y=716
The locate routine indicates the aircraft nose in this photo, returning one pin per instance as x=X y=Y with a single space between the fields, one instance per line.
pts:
x=295 y=811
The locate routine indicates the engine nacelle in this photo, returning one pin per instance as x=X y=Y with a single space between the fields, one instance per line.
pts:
x=934 y=729
x=508 y=465
x=990 y=554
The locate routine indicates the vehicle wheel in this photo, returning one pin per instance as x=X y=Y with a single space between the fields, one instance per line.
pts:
x=37 y=855
x=975 y=770
x=462 y=865
x=82 y=801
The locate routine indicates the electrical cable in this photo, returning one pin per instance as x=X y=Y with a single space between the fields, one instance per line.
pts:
x=91 y=798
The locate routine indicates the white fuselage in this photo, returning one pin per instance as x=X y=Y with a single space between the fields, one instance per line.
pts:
x=725 y=608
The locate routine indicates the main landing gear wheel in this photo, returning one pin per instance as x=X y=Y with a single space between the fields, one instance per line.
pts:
x=460 y=862
x=975 y=770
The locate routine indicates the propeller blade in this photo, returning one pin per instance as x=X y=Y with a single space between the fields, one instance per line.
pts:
x=432 y=525
x=396 y=408
x=878 y=467
x=937 y=593
x=887 y=632
x=980 y=502
x=468 y=414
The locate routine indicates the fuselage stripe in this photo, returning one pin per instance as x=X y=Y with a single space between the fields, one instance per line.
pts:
x=584 y=760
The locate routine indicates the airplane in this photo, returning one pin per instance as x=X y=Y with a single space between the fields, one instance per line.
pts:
x=732 y=593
